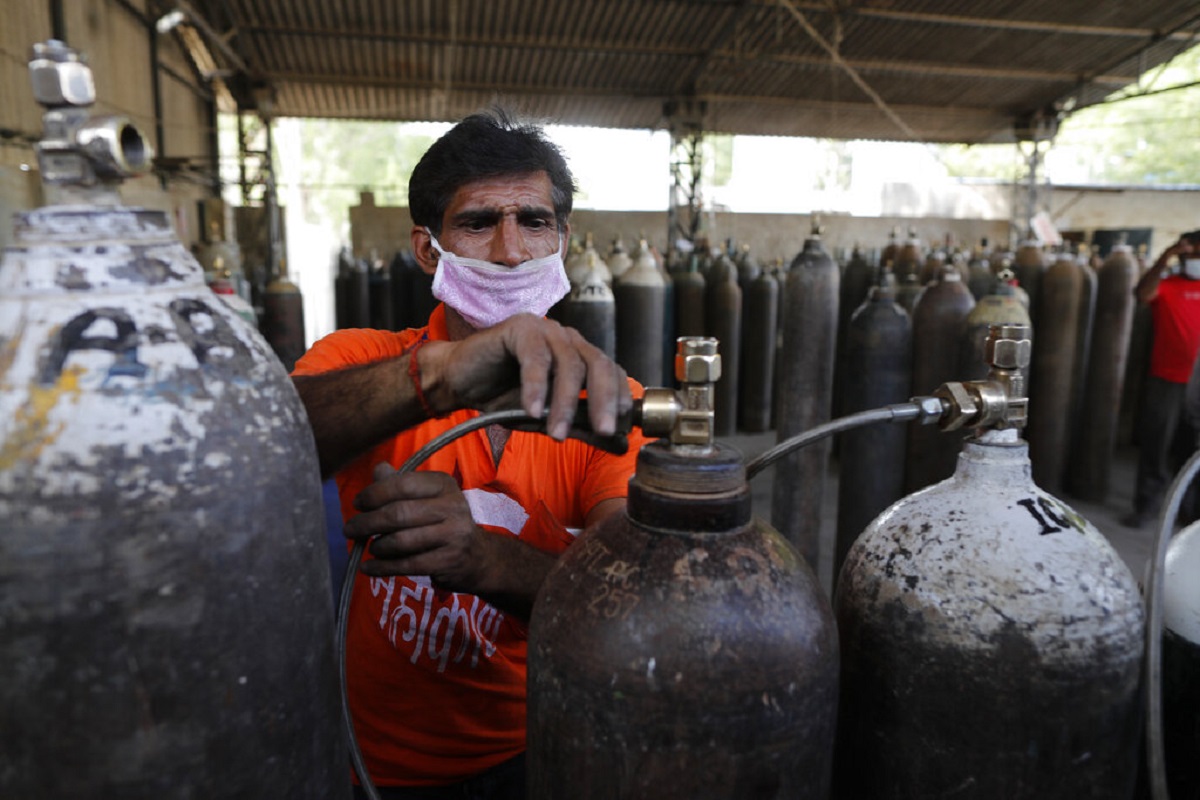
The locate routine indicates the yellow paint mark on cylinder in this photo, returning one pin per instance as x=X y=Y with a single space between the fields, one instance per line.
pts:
x=32 y=428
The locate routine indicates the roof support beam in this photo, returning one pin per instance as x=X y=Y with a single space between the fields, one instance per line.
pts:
x=1007 y=24
x=867 y=65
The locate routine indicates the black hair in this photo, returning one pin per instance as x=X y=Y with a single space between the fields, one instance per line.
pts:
x=1192 y=236
x=486 y=145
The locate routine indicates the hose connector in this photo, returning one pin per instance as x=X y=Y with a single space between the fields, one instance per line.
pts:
x=999 y=401
x=77 y=149
x=685 y=416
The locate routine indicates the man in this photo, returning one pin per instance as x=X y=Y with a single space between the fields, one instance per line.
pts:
x=1175 y=313
x=436 y=635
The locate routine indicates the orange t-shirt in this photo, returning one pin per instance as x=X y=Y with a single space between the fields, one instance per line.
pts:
x=436 y=679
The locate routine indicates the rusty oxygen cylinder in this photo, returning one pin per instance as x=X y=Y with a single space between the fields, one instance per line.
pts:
x=343 y=266
x=167 y=626
x=1053 y=371
x=1091 y=457
x=618 y=259
x=401 y=268
x=909 y=257
x=938 y=321
x=1001 y=307
x=758 y=352
x=887 y=257
x=283 y=318
x=1137 y=364
x=909 y=292
x=723 y=317
x=991 y=637
x=805 y=387
x=980 y=278
x=380 y=282
x=590 y=308
x=682 y=648
x=669 y=334
x=877 y=364
x=855 y=285
x=932 y=266
x=358 y=294
x=640 y=304
x=689 y=298
x=1029 y=266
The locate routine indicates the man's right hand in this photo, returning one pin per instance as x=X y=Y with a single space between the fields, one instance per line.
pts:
x=526 y=362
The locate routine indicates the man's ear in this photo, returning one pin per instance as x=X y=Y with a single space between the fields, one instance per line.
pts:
x=422 y=248
x=566 y=240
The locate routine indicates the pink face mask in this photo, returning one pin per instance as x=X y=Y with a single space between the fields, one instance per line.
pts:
x=486 y=294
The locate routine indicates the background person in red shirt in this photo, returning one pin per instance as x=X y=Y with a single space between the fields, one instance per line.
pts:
x=1165 y=437
x=436 y=639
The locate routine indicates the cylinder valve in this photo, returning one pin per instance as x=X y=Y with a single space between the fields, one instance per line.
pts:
x=77 y=149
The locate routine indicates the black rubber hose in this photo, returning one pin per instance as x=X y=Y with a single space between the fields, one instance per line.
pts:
x=899 y=412
x=343 y=611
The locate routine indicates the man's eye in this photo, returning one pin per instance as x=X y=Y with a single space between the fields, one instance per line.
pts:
x=477 y=226
x=537 y=224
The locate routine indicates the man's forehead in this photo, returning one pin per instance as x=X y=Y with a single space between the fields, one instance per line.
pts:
x=505 y=193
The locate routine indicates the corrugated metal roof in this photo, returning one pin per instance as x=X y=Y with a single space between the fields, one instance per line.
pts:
x=946 y=70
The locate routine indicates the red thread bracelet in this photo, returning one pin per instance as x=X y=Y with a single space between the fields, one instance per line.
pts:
x=414 y=372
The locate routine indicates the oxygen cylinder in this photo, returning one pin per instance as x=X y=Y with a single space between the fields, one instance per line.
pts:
x=283 y=318
x=805 y=388
x=747 y=266
x=991 y=637
x=758 y=352
x=689 y=299
x=908 y=292
x=1028 y=266
x=379 y=283
x=1083 y=345
x=1181 y=663
x=618 y=259
x=855 y=285
x=343 y=268
x=938 y=321
x=1001 y=307
x=877 y=365
x=167 y=624
x=1053 y=371
x=723 y=318
x=358 y=294
x=669 y=333
x=402 y=264
x=932 y=267
x=590 y=308
x=683 y=648
x=1137 y=366
x=640 y=306
x=909 y=257
x=980 y=278
x=585 y=260
x=1091 y=461
x=887 y=258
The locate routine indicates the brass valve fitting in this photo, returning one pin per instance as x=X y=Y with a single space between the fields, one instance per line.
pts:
x=998 y=401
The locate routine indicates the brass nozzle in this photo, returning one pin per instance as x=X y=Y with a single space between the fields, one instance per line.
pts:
x=999 y=400
x=685 y=416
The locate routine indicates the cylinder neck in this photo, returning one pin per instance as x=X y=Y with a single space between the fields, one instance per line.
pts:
x=689 y=492
x=997 y=455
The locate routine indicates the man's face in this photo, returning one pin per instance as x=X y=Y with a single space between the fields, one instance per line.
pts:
x=506 y=220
